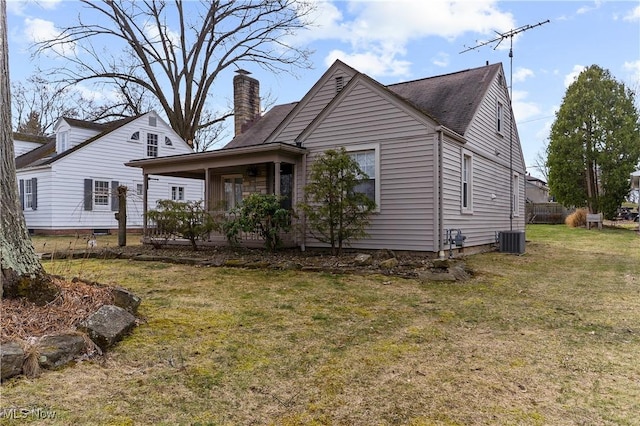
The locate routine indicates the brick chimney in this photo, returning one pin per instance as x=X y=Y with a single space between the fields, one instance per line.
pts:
x=246 y=100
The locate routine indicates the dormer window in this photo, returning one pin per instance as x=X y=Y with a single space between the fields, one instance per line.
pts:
x=62 y=141
x=135 y=136
x=167 y=141
x=339 y=84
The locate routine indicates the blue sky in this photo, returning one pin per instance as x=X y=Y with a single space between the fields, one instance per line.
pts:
x=393 y=41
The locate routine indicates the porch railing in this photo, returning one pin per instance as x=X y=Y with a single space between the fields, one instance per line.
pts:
x=156 y=234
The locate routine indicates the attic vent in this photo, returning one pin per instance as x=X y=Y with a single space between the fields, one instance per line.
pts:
x=152 y=121
x=339 y=84
x=167 y=141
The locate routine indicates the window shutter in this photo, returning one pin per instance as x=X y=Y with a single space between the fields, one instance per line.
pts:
x=22 y=193
x=88 y=194
x=34 y=193
x=115 y=201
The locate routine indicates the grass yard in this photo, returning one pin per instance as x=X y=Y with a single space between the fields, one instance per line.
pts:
x=548 y=338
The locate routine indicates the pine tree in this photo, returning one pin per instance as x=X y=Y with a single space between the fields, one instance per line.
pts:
x=595 y=143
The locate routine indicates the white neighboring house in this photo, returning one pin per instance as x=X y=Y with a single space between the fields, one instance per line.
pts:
x=23 y=143
x=70 y=183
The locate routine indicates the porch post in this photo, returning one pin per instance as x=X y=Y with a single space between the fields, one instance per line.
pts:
x=145 y=189
x=276 y=187
x=207 y=196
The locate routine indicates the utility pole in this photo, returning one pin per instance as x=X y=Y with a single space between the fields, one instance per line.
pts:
x=499 y=39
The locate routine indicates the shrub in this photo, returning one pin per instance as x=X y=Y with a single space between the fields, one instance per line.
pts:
x=183 y=219
x=260 y=213
x=336 y=211
x=577 y=219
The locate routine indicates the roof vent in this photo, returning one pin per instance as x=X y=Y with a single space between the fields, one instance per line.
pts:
x=339 y=84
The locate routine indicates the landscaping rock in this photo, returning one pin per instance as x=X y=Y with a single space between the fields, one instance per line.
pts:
x=58 y=350
x=126 y=300
x=441 y=263
x=363 y=259
x=385 y=254
x=108 y=325
x=389 y=263
x=11 y=359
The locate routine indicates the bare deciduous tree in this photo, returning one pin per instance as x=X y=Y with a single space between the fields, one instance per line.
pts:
x=173 y=52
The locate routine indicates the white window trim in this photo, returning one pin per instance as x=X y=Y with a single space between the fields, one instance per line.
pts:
x=28 y=195
x=60 y=137
x=500 y=117
x=157 y=145
x=469 y=208
x=101 y=207
x=178 y=187
x=516 y=194
x=376 y=148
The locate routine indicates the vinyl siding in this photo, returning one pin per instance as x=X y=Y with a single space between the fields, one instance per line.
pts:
x=41 y=217
x=312 y=108
x=490 y=175
x=405 y=220
x=62 y=199
x=22 y=147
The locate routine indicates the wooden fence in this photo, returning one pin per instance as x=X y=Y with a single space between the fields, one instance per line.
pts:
x=549 y=213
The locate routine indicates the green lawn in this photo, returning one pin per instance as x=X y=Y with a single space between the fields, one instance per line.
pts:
x=548 y=338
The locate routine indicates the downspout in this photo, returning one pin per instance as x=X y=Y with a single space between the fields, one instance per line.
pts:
x=439 y=206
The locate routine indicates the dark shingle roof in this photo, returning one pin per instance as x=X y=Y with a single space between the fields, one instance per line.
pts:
x=38 y=155
x=452 y=99
x=262 y=127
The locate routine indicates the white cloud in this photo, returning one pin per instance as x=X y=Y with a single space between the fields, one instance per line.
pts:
x=522 y=109
x=586 y=9
x=370 y=63
x=441 y=59
x=49 y=4
x=381 y=30
x=521 y=74
x=37 y=30
x=634 y=69
x=633 y=15
x=573 y=75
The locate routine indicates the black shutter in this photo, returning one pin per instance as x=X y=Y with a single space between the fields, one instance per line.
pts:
x=115 y=201
x=21 y=193
x=88 y=194
x=34 y=193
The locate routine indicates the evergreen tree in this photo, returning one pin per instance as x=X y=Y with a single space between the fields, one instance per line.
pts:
x=595 y=143
x=335 y=210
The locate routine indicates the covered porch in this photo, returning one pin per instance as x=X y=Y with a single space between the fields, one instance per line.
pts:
x=230 y=175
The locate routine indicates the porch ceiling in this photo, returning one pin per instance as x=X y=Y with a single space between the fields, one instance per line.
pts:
x=195 y=165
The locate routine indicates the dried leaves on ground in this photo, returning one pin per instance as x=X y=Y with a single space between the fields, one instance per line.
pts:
x=77 y=300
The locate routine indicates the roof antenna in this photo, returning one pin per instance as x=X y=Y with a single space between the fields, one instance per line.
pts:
x=499 y=39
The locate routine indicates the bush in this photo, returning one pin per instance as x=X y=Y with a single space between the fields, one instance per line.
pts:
x=183 y=219
x=577 y=219
x=260 y=213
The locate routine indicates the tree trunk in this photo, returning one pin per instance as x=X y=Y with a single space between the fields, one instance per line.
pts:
x=22 y=273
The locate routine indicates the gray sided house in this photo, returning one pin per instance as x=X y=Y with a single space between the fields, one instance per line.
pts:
x=440 y=153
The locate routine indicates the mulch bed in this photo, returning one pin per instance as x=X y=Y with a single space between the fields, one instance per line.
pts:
x=77 y=300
